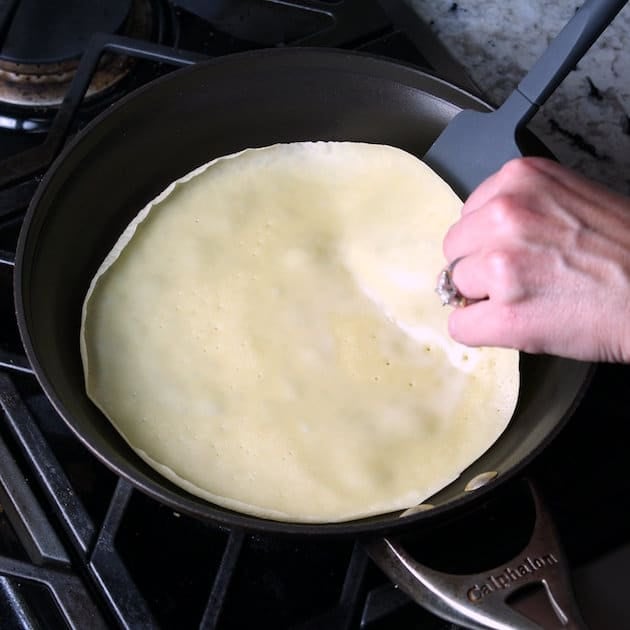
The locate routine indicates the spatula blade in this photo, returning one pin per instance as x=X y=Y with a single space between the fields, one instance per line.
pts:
x=473 y=146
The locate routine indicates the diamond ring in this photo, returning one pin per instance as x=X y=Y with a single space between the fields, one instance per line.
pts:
x=447 y=289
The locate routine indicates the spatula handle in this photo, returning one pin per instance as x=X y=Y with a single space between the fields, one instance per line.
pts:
x=567 y=49
x=476 y=144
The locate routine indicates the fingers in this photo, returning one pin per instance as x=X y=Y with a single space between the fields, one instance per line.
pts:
x=515 y=175
x=477 y=325
x=501 y=209
x=490 y=241
x=542 y=176
x=467 y=278
x=502 y=276
x=485 y=324
x=503 y=219
x=517 y=205
x=543 y=249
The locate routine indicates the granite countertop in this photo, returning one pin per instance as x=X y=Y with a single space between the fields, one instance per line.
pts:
x=586 y=122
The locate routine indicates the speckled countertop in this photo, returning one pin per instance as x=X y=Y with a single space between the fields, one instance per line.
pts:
x=586 y=122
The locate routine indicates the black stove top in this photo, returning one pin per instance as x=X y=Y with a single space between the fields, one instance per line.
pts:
x=80 y=547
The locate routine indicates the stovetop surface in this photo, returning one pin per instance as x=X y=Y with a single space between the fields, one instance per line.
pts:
x=80 y=547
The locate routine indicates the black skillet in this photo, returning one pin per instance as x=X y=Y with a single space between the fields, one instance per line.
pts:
x=135 y=149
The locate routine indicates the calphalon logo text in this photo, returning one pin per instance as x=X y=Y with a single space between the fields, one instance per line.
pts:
x=509 y=576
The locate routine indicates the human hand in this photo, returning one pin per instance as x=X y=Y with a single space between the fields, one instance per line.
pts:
x=548 y=253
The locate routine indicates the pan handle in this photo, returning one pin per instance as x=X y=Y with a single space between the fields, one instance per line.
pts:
x=485 y=600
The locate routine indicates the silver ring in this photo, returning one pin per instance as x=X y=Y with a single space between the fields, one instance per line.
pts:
x=447 y=289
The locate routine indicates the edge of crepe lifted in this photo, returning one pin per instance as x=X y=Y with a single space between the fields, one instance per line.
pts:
x=265 y=334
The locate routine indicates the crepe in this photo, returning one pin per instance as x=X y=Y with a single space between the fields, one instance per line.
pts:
x=265 y=334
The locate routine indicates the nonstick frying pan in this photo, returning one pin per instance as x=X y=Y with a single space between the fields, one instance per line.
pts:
x=136 y=148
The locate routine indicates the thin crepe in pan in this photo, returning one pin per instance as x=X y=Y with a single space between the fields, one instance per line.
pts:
x=265 y=333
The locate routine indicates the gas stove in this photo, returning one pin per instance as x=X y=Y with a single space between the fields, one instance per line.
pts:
x=82 y=548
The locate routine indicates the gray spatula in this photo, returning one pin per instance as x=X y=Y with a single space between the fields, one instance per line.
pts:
x=476 y=144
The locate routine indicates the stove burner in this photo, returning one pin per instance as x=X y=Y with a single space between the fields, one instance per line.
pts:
x=44 y=44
